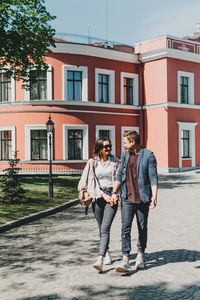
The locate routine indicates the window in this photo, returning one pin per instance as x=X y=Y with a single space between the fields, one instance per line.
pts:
x=106 y=131
x=185 y=87
x=5 y=87
x=129 y=89
x=104 y=86
x=39 y=145
x=75 y=83
x=75 y=144
x=186 y=142
x=6 y=144
x=185 y=136
x=38 y=89
x=41 y=88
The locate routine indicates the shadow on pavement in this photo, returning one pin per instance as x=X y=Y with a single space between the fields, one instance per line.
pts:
x=41 y=242
x=176 y=180
x=49 y=297
x=156 y=259
x=148 y=292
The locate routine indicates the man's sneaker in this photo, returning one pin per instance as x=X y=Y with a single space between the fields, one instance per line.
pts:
x=139 y=264
x=124 y=266
x=107 y=259
x=98 y=264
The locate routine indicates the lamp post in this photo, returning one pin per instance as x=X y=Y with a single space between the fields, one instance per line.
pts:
x=50 y=128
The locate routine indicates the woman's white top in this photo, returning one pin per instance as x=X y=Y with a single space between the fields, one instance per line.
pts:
x=104 y=171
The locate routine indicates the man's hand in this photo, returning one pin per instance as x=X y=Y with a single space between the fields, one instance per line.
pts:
x=153 y=202
x=154 y=189
x=114 y=198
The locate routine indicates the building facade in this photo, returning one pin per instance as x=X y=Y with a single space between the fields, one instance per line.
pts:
x=171 y=100
x=99 y=90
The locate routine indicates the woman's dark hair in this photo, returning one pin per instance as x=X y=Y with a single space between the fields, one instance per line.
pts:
x=99 y=145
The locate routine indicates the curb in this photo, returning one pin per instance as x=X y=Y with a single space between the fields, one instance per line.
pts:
x=36 y=216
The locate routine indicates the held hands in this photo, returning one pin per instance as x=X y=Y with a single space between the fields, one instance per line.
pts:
x=115 y=198
x=112 y=200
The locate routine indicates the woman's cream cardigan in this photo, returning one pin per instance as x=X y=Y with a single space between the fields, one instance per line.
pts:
x=88 y=179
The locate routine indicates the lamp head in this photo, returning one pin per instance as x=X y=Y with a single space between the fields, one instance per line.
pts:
x=50 y=125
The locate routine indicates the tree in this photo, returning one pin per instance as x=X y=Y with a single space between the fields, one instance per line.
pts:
x=10 y=183
x=25 y=37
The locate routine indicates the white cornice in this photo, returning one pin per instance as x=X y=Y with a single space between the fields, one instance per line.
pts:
x=69 y=111
x=172 y=104
x=95 y=51
x=94 y=104
x=70 y=103
x=170 y=53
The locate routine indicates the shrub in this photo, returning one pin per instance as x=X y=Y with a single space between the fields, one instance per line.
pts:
x=10 y=183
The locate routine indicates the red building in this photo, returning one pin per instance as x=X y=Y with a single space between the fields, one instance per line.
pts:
x=100 y=90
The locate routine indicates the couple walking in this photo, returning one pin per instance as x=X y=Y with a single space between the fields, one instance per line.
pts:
x=135 y=181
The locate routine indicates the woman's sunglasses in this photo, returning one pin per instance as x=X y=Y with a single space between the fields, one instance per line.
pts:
x=107 y=146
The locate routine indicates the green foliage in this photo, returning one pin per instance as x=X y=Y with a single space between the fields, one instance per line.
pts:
x=25 y=36
x=10 y=183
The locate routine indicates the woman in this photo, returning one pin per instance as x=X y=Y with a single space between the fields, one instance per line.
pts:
x=98 y=178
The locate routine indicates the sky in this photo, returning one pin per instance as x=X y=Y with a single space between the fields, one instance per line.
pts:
x=125 y=21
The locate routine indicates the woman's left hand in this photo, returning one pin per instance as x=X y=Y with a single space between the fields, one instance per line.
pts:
x=107 y=198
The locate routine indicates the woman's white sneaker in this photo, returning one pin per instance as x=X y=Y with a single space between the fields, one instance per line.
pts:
x=107 y=259
x=98 y=264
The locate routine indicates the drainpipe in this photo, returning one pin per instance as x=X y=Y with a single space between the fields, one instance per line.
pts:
x=141 y=72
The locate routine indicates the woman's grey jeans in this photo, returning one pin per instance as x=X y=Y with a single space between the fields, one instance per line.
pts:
x=104 y=215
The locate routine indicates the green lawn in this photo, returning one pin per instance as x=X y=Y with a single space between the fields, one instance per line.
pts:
x=65 y=189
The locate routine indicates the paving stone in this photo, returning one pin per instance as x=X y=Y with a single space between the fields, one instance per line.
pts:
x=52 y=258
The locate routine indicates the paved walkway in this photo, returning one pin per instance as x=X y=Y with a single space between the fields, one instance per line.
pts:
x=52 y=258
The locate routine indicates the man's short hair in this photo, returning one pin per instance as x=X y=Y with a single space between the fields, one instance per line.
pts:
x=132 y=135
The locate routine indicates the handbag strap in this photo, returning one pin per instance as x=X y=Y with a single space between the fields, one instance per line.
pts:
x=93 y=162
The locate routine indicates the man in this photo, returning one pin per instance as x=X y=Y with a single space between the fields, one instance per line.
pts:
x=138 y=179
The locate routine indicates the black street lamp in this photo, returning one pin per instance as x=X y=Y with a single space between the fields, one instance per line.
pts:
x=50 y=128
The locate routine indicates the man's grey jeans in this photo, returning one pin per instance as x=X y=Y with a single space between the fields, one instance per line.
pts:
x=104 y=215
x=141 y=211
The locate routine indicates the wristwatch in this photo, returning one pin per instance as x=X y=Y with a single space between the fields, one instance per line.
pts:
x=114 y=193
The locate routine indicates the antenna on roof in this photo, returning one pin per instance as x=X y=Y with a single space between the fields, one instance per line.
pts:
x=106 y=21
x=89 y=40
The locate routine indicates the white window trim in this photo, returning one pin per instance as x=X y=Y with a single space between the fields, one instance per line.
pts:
x=12 y=129
x=135 y=87
x=126 y=128
x=190 y=77
x=111 y=83
x=191 y=127
x=28 y=129
x=84 y=71
x=12 y=94
x=49 y=87
x=66 y=127
x=112 y=134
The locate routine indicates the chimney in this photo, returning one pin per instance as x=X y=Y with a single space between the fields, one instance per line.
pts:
x=198 y=27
